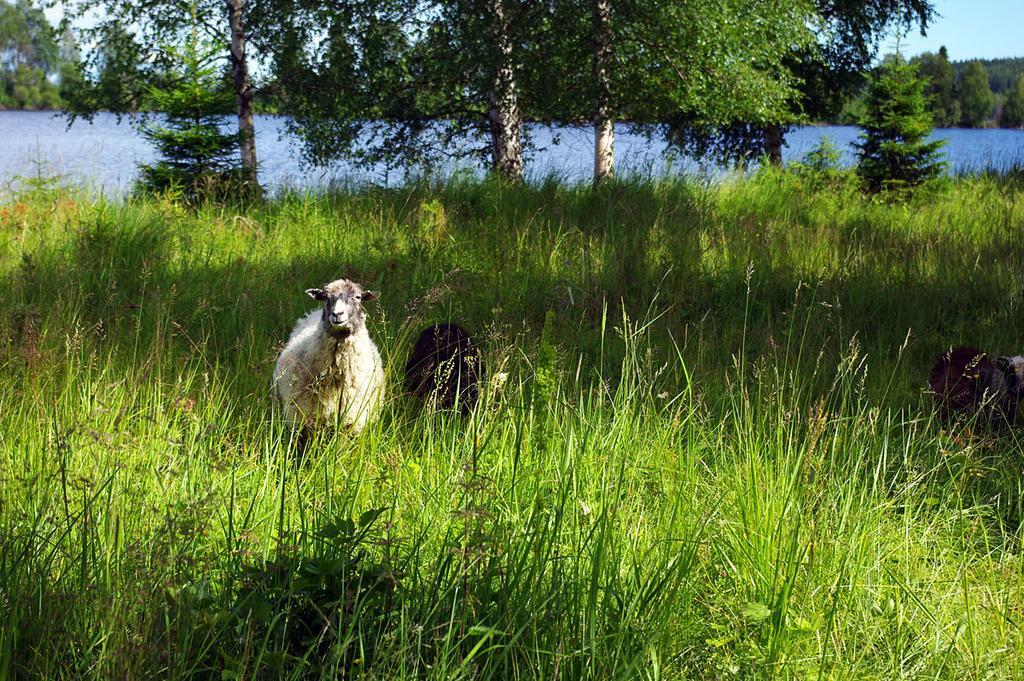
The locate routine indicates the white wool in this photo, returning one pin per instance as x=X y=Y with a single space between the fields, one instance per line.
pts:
x=324 y=380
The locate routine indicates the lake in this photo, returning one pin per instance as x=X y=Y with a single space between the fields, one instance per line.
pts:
x=104 y=155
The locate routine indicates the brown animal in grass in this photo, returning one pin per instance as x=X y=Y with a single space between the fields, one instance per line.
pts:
x=965 y=380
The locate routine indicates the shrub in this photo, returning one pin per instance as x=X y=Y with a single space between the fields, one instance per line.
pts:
x=822 y=166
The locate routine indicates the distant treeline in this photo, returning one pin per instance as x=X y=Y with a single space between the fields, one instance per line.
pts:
x=1003 y=74
x=980 y=93
x=32 y=58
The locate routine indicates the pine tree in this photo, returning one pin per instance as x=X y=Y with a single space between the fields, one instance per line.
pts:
x=197 y=157
x=976 y=98
x=893 y=154
x=1013 y=107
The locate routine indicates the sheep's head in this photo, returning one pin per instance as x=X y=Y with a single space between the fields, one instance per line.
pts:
x=343 y=302
x=1015 y=371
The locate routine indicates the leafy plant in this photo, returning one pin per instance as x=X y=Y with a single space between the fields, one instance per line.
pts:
x=306 y=607
x=940 y=88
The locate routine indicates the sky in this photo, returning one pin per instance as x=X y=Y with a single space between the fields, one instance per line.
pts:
x=970 y=29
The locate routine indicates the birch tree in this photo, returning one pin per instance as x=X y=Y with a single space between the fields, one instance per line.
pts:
x=404 y=83
x=848 y=34
x=243 y=87
x=604 y=125
x=708 y=63
x=503 y=117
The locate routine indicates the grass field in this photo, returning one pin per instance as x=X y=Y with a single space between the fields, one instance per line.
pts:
x=713 y=457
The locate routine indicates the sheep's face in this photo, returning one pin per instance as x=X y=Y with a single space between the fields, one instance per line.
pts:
x=1015 y=365
x=343 y=306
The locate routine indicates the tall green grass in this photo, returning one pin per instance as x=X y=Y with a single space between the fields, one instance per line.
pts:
x=712 y=458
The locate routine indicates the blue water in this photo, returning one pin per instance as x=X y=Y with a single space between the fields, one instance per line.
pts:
x=105 y=154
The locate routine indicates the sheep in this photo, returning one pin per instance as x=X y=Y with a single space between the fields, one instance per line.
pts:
x=445 y=368
x=964 y=380
x=330 y=372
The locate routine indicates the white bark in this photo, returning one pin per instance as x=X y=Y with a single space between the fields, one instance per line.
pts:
x=503 y=112
x=604 y=127
x=243 y=88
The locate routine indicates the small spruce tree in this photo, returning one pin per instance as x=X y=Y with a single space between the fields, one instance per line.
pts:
x=197 y=158
x=894 y=154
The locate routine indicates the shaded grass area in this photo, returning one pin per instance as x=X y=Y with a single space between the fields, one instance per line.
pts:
x=715 y=461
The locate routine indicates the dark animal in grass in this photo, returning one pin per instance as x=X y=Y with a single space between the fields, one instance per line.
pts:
x=965 y=380
x=445 y=368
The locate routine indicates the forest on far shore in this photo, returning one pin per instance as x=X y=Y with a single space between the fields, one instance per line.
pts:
x=40 y=68
x=975 y=93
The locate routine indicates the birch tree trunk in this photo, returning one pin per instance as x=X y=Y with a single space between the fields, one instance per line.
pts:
x=604 y=128
x=243 y=88
x=773 y=144
x=503 y=111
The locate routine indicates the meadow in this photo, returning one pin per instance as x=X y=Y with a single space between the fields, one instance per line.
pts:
x=713 y=457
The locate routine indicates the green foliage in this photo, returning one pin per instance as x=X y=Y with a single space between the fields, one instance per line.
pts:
x=309 y=607
x=1002 y=73
x=939 y=91
x=822 y=166
x=138 y=47
x=397 y=82
x=406 y=86
x=1013 y=106
x=71 y=79
x=28 y=88
x=849 y=38
x=976 y=99
x=28 y=54
x=706 y=63
x=724 y=117
x=894 y=154
x=26 y=37
x=829 y=73
x=824 y=158
x=115 y=77
x=197 y=159
x=299 y=605
x=852 y=111
x=545 y=381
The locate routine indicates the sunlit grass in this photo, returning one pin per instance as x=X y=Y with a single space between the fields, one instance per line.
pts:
x=733 y=474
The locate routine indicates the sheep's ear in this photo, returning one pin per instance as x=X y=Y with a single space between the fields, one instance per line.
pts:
x=316 y=293
x=369 y=295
